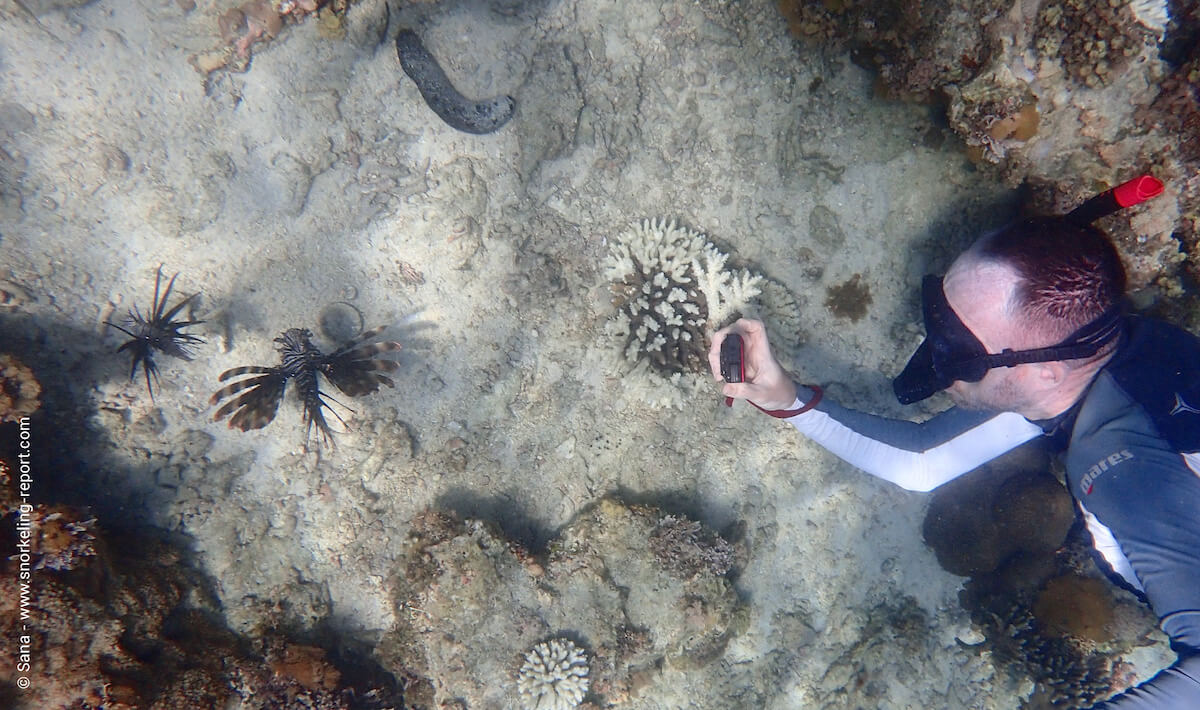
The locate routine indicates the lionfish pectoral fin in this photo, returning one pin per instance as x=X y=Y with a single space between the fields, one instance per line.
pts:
x=353 y=372
x=235 y=387
x=246 y=370
x=366 y=352
x=356 y=341
x=257 y=406
x=254 y=417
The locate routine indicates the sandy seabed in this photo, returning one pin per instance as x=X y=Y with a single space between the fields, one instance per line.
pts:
x=317 y=186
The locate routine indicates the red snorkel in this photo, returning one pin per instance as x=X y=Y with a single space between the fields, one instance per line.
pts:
x=1127 y=194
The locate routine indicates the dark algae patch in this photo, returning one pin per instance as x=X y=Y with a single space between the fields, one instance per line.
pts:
x=849 y=299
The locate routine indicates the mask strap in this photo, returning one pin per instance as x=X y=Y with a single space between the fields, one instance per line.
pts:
x=1085 y=342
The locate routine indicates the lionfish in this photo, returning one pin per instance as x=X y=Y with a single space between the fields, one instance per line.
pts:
x=351 y=368
x=160 y=331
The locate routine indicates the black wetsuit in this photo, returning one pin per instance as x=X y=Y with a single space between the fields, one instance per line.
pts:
x=1133 y=467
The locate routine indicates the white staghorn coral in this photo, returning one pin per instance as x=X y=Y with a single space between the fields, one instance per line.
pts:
x=655 y=243
x=661 y=314
x=670 y=285
x=1151 y=14
x=727 y=292
x=554 y=676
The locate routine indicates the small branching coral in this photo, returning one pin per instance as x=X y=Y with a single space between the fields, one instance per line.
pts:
x=61 y=538
x=351 y=368
x=159 y=330
x=661 y=312
x=688 y=549
x=1065 y=673
x=554 y=676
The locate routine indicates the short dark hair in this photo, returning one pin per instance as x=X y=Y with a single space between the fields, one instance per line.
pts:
x=1068 y=273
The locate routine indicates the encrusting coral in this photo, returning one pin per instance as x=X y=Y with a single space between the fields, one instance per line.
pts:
x=1094 y=40
x=1077 y=606
x=554 y=676
x=19 y=390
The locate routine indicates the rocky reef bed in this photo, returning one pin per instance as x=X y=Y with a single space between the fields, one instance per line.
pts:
x=641 y=591
x=1065 y=96
x=308 y=185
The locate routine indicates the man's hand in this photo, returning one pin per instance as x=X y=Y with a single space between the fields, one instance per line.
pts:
x=767 y=385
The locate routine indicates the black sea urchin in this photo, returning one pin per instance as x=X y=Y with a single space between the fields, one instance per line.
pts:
x=351 y=368
x=160 y=331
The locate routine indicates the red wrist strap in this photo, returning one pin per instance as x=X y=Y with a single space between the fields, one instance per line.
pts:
x=788 y=413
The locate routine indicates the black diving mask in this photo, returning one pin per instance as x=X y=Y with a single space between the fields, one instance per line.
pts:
x=951 y=352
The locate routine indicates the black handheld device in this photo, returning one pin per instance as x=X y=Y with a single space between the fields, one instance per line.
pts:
x=733 y=369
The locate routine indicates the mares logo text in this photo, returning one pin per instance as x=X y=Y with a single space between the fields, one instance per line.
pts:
x=1101 y=467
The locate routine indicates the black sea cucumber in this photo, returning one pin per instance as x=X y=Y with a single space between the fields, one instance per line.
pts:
x=452 y=107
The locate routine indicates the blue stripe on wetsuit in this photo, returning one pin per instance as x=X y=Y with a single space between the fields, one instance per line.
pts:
x=918 y=457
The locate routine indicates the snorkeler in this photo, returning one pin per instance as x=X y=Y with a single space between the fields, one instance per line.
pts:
x=1027 y=334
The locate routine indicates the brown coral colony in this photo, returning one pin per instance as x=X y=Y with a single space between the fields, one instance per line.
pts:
x=19 y=390
x=255 y=20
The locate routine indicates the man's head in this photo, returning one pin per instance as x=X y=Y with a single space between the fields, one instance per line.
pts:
x=1022 y=320
x=1067 y=275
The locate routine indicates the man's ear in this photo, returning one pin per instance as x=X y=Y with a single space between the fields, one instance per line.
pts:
x=1052 y=374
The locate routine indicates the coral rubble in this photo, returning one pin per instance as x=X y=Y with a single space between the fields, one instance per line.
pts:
x=254 y=22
